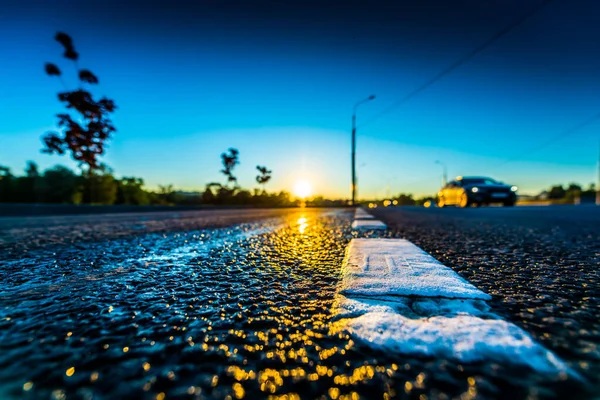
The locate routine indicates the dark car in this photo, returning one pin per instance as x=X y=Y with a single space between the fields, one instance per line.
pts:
x=476 y=190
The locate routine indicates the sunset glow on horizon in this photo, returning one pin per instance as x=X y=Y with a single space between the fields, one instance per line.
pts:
x=302 y=189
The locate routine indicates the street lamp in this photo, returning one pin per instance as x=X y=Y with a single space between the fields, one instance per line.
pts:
x=371 y=97
x=445 y=170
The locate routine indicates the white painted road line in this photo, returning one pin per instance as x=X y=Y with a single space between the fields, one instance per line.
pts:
x=465 y=338
x=398 y=267
x=365 y=221
x=362 y=214
x=367 y=224
x=396 y=297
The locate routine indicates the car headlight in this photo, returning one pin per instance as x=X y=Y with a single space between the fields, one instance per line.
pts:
x=475 y=190
x=514 y=189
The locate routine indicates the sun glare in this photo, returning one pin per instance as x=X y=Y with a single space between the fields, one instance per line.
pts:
x=302 y=189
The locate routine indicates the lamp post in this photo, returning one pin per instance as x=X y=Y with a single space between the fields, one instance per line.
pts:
x=354 y=146
x=445 y=170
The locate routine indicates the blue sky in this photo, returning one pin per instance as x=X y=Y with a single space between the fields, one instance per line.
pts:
x=278 y=82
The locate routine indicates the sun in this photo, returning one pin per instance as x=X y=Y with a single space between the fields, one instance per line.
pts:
x=302 y=189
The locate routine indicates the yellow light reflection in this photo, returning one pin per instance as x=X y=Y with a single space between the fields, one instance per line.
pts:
x=302 y=224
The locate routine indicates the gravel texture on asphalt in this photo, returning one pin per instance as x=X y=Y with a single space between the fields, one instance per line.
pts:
x=187 y=310
x=26 y=233
x=540 y=264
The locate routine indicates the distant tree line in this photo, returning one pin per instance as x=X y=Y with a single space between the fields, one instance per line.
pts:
x=61 y=185
x=571 y=191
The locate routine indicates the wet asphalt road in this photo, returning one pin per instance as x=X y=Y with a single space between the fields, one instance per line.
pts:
x=35 y=232
x=238 y=304
x=540 y=264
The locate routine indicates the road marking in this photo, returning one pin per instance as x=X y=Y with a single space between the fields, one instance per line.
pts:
x=396 y=267
x=362 y=214
x=456 y=335
x=365 y=221
x=368 y=224
x=395 y=296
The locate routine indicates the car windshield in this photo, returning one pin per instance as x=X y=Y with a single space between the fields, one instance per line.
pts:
x=478 y=181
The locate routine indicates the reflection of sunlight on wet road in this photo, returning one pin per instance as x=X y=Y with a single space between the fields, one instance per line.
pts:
x=241 y=311
x=302 y=224
x=246 y=311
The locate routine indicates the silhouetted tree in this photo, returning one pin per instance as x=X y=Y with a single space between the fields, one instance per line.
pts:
x=230 y=160
x=243 y=197
x=58 y=185
x=25 y=187
x=225 y=195
x=557 y=192
x=281 y=199
x=405 y=199
x=573 y=191
x=263 y=177
x=130 y=191
x=98 y=186
x=83 y=136
x=32 y=170
x=590 y=191
x=6 y=183
x=166 y=194
x=169 y=196
x=208 y=197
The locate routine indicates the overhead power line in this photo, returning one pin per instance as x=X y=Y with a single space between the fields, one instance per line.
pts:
x=467 y=57
x=553 y=139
